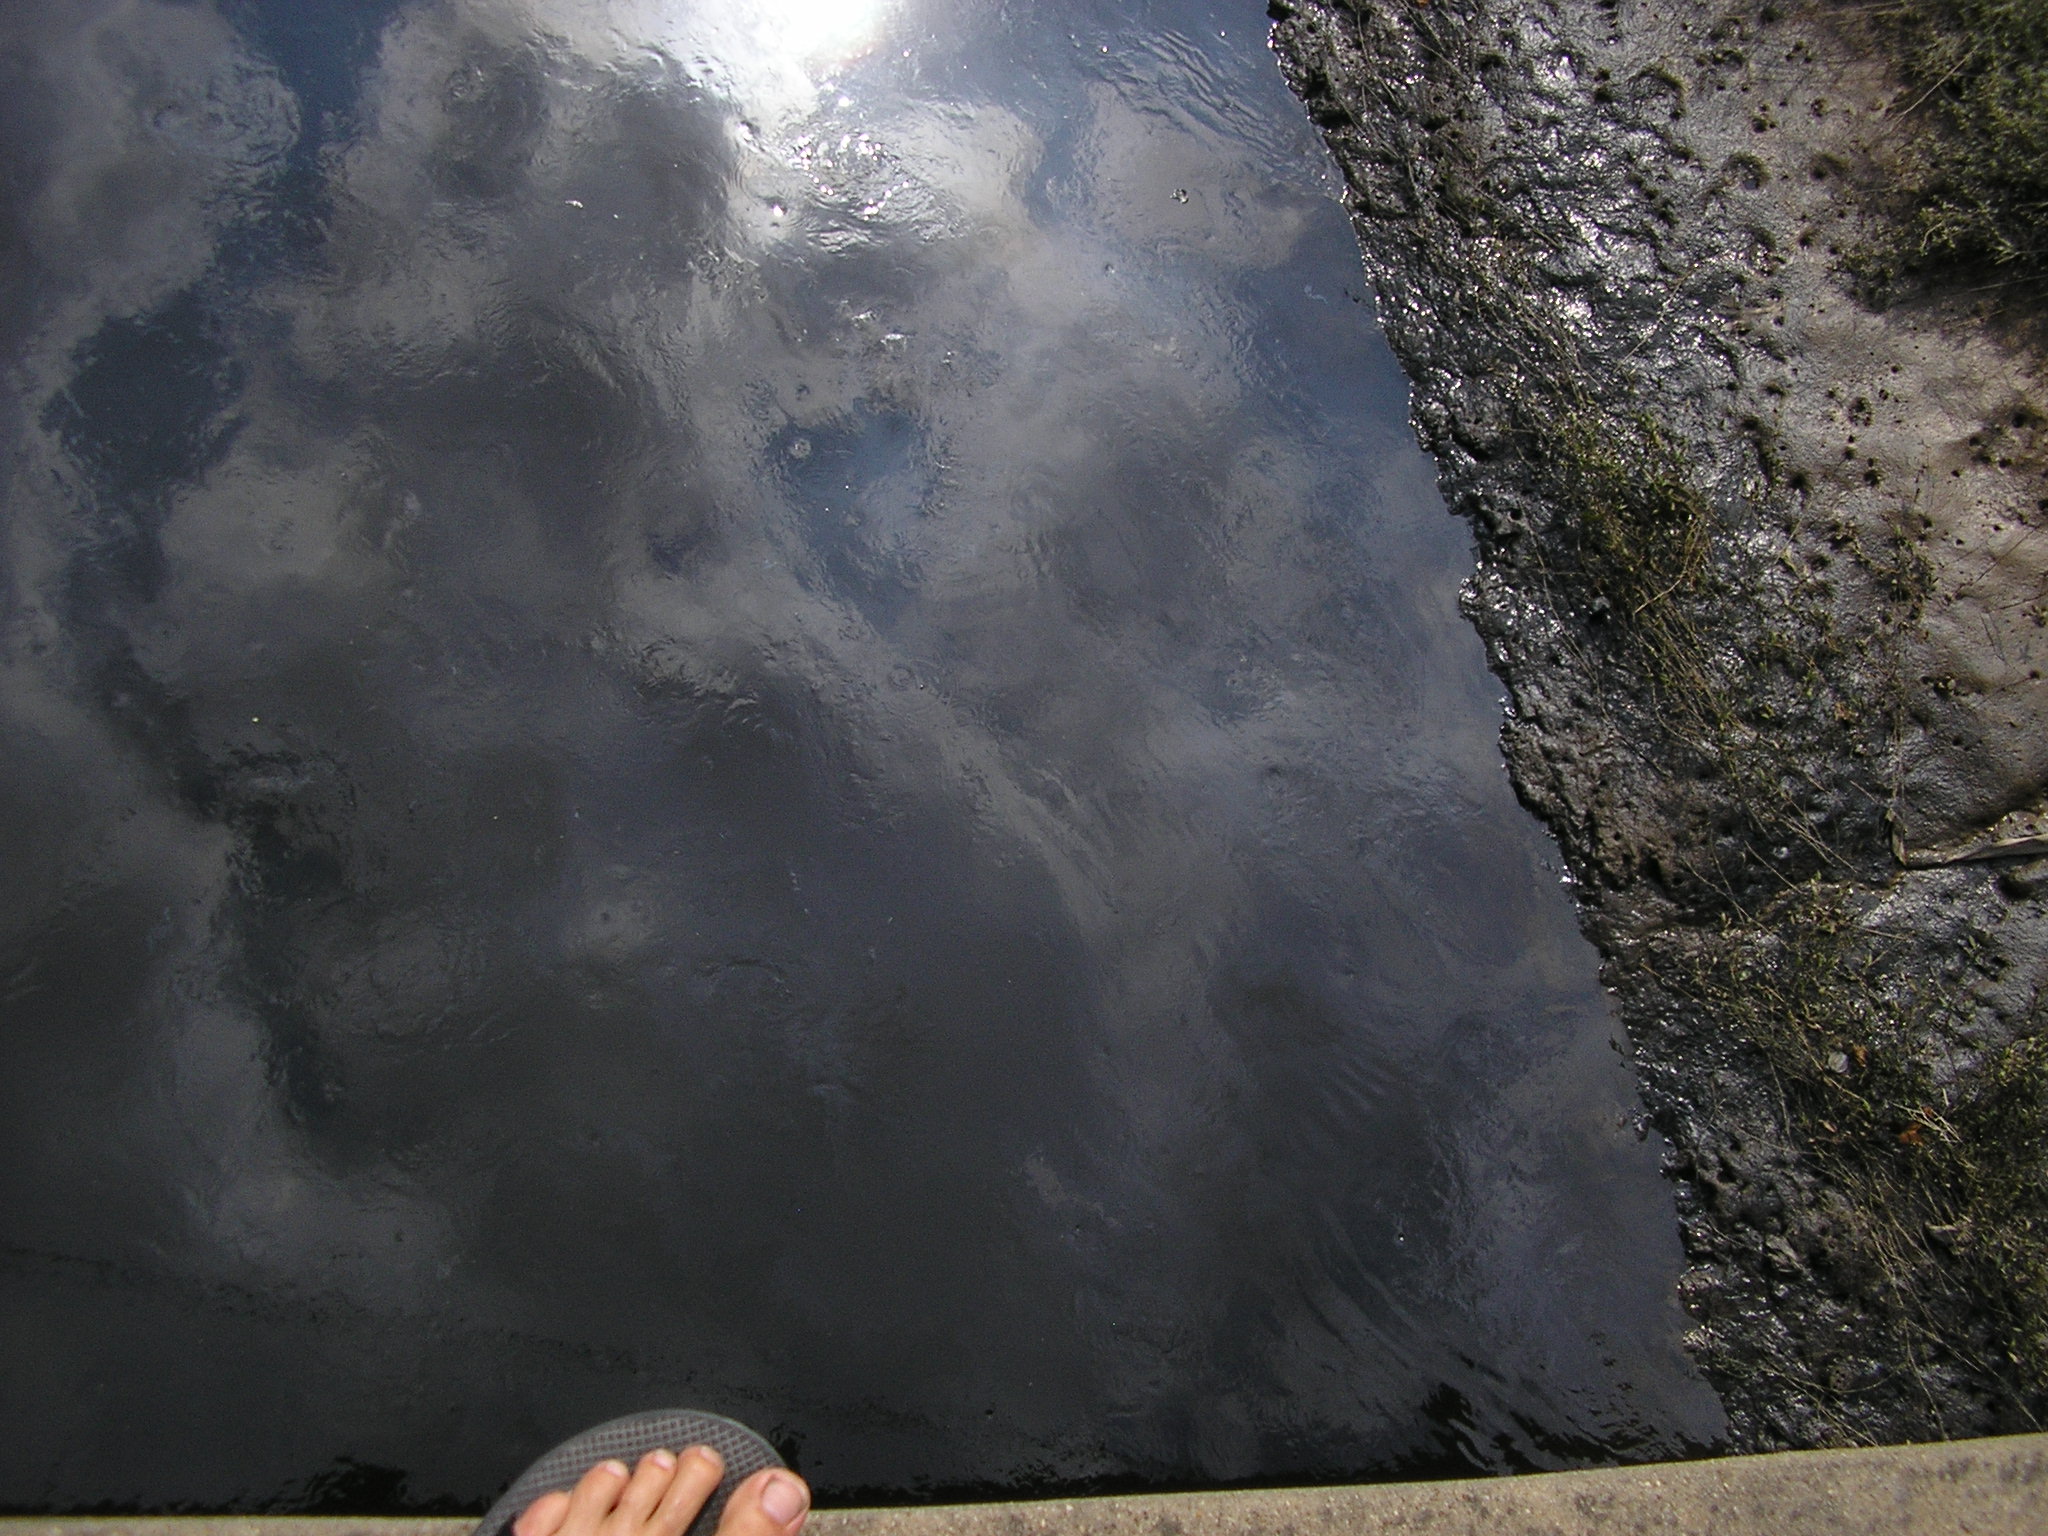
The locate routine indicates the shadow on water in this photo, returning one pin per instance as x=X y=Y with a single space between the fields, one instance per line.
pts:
x=757 y=706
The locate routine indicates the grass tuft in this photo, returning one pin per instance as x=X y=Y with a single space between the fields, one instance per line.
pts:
x=1978 y=189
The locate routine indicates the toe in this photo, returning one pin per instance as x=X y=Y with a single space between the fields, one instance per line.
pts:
x=594 y=1498
x=644 y=1490
x=543 y=1517
x=696 y=1479
x=770 y=1503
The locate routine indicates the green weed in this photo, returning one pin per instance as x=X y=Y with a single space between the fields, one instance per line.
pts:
x=1978 y=188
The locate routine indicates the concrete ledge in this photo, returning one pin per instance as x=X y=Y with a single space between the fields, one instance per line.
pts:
x=1966 y=1488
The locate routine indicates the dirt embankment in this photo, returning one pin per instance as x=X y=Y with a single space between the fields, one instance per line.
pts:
x=1763 y=562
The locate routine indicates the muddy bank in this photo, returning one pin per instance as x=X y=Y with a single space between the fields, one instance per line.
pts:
x=1761 y=563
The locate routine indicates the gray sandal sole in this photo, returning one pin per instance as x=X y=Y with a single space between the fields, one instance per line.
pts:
x=627 y=1440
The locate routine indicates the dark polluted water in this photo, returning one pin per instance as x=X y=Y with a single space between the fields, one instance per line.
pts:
x=757 y=706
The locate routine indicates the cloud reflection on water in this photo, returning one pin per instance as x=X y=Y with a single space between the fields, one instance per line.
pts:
x=796 y=745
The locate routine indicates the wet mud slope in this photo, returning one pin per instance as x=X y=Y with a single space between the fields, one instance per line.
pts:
x=1762 y=528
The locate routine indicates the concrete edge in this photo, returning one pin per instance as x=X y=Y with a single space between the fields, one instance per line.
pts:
x=1996 y=1487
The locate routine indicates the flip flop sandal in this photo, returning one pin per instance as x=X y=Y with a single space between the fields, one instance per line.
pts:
x=627 y=1440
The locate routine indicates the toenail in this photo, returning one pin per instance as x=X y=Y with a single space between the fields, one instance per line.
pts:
x=663 y=1459
x=784 y=1498
x=705 y=1453
x=613 y=1468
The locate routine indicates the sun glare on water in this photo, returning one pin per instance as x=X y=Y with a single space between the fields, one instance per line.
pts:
x=815 y=33
x=771 y=57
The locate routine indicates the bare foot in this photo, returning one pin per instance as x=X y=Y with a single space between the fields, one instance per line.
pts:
x=662 y=1495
